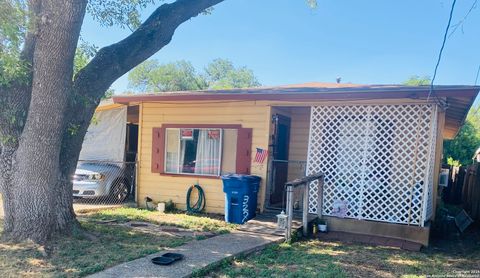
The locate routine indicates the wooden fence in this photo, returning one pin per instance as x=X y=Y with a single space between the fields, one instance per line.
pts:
x=471 y=191
x=464 y=189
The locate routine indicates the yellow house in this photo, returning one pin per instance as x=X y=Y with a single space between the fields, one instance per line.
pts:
x=379 y=147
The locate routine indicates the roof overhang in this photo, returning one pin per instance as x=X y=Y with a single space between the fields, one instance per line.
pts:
x=459 y=99
x=108 y=104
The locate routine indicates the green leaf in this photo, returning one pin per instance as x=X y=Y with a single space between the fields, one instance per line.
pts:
x=122 y=13
x=181 y=76
x=461 y=149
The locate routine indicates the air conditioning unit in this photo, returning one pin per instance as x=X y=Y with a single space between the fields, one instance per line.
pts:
x=443 y=179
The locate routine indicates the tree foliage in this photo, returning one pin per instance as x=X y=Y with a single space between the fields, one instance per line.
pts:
x=222 y=74
x=458 y=151
x=461 y=149
x=13 y=27
x=84 y=53
x=122 y=13
x=176 y=76
x=12 y=32
x=416 y=80
x=182 y=76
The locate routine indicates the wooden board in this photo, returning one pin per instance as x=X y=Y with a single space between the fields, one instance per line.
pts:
x=266 y=223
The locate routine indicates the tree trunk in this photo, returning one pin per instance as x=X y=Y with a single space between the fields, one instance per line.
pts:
x=5 y=187
x=64 y=214
x=7 y=213
x=14 y=100
x=72 y=143
x=36 y=168
x=37 y=187
x=108 y=65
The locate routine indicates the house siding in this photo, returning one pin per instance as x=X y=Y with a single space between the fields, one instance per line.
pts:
x=249 y=114
x=299 y=130
x=298 y=145
x=163 y=187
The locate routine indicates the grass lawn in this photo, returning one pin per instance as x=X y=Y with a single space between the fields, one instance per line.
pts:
x=104 y=246
x=314 y=258
x=199 y=222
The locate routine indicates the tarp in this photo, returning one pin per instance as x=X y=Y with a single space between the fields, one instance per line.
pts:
x=105 y=138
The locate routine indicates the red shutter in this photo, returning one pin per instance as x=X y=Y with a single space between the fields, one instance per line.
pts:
x=158 y=149
x=244 y=151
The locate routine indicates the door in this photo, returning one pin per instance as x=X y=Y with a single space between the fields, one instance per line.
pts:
x=280 y=148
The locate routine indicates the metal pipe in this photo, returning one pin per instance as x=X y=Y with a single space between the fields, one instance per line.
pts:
x=288 y=232
x=305 y=208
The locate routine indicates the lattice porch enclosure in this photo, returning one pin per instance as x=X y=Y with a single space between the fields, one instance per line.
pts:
x=378 y=159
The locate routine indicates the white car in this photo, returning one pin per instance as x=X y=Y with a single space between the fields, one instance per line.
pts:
x=94 y=180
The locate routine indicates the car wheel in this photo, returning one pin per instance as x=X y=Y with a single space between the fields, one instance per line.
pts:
x=119 y=191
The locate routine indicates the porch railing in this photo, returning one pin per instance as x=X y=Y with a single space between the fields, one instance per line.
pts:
x=304 y=184
x=291 y=169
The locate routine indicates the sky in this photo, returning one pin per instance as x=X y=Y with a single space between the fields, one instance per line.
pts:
x=287 y=42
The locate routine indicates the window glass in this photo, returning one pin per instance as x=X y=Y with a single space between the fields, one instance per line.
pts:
x=229 y=151
x=194 y=151
x=172 y=150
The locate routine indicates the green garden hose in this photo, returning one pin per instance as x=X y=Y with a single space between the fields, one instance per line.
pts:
x=199 y=206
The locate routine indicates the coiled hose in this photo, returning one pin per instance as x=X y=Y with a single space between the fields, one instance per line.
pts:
x=199 y=206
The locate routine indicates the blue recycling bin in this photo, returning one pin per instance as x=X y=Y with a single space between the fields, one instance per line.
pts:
x=240 y=197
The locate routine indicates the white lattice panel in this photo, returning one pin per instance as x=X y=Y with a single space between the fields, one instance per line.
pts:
x=375 y=157
x=431 y=172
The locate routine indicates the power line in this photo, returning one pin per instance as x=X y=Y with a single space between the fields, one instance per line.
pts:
x=476 y=77
x=475 y=84
x=461 y=22
x=441 y=52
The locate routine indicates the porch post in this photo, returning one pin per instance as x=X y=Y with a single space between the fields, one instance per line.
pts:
x=320 y=197
x=288 y=232
x=305 y=208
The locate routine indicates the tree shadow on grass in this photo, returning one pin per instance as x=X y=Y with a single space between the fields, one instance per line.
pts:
x=81 y=254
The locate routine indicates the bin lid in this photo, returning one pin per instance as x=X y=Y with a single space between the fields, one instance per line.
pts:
x=251 y=178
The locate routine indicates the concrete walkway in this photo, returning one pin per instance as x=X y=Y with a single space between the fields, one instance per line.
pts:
x=198 y=254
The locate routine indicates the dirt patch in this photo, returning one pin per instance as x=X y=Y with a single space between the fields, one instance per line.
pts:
x=155 y=229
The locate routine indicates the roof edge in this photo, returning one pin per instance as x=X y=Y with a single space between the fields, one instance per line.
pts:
x=355 y=93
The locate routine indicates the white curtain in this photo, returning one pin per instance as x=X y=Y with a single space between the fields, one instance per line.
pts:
x=208 y=154
x=183 y=146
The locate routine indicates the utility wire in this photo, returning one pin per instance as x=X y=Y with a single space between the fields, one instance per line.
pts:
x=476 y=77
x=431 y=92
x=461 y=22
x=475 y=84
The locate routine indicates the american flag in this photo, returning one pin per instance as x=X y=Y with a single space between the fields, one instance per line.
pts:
x=261 y=155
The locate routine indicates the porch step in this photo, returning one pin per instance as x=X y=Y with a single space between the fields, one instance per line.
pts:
x=266 y=223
